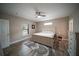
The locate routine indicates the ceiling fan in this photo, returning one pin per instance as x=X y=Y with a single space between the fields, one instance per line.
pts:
x=39 y=13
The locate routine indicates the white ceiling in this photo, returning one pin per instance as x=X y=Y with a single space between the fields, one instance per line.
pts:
x=26 y=10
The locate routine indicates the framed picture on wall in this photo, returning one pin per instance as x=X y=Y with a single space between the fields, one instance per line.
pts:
x=33 y=26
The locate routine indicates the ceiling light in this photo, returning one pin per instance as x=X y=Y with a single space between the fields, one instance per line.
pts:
x=38 y=16
x=50 y=23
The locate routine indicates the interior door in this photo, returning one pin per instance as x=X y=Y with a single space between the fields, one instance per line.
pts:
x=4 y=33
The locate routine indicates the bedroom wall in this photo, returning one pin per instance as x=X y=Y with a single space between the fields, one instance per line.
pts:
x=16 y=27
x=75 y=17
x=60 y=26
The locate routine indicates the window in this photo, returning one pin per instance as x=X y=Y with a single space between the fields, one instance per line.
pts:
x=49 y=23
x=25 y=30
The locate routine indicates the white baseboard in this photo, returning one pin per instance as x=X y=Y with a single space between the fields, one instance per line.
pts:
x=19 y=40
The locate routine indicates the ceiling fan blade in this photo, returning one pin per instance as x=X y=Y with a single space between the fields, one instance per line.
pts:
x=43 y=15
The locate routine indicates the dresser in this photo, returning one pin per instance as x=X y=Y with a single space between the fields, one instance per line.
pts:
x=71 y=44
x=77 y=44
x=71 y=39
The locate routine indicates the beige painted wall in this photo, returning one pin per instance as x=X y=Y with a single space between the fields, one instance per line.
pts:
x=16 y=27
x=60 y=25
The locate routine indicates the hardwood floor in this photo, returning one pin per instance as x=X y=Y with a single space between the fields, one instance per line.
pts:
x=19 y=49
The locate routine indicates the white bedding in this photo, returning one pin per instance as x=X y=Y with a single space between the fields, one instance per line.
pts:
x=45 y=34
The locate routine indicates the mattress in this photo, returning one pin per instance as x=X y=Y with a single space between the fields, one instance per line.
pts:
x=45 y=34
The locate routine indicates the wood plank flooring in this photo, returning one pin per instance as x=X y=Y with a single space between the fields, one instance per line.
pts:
x=19 y=49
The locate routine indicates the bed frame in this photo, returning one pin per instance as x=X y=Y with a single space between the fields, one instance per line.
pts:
x=43 y=40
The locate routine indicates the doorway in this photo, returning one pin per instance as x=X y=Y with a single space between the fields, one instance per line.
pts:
x=4 y=33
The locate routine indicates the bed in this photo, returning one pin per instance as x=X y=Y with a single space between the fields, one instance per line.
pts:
x=46 y=38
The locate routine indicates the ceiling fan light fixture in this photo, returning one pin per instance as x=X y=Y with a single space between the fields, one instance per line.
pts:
x=38 y=16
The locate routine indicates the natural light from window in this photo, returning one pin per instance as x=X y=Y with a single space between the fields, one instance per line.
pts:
x=49 y=23
x=25 y=29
